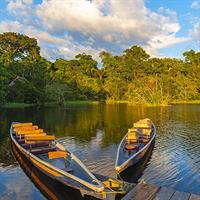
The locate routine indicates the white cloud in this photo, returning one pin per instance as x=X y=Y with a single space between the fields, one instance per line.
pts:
x=18 y=5
x=52 y=47
x=195 y=33
x=195 y=4
x=73 y=26
x=10 y=26
x=163 y=41
x=126 y=23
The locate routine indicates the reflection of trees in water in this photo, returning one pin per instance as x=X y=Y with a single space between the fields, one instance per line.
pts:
x=80 y=123
x=83 y=122
x=6 y=157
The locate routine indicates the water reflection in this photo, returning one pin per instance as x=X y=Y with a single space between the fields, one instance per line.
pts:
x=94 y=133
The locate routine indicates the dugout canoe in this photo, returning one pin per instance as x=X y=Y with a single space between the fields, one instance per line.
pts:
x=131 y=152
x=56 y=162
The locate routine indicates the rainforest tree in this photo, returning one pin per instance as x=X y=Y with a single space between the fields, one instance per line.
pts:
x=133 y=76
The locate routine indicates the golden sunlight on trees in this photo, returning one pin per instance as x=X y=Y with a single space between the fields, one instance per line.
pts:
x=134 y=76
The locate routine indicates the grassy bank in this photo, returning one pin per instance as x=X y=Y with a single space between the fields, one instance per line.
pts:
x=66 y=103
x=134 y=103
x=187 y=102
x=17 y=105
x=80 y=103
x=152 y=104
x=116 y=102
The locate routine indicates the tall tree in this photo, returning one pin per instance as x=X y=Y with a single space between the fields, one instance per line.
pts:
x=18 y=47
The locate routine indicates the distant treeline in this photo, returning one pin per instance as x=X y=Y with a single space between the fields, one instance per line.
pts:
x=134 y=76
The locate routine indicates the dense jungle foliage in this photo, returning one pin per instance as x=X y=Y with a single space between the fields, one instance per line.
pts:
x=134 y=76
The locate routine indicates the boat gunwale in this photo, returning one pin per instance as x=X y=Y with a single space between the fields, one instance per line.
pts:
x=97 y=188
x=120 y=168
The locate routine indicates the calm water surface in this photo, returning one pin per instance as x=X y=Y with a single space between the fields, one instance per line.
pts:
x=94 y=132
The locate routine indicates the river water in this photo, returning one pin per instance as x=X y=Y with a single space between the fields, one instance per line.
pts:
x=94 y=132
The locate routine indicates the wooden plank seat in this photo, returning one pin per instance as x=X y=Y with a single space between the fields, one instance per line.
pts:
x=37 y=144
x=22 y=124
x=132 y=136
x=38 y=135
x=145 y=135
x=22 y=136
x=57 y=154
x=34 y=139
x=28 y=132
x=26 y=128
x=132 y=139
x=143 y=123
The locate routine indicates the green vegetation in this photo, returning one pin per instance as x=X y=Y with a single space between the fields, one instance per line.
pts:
x=17 y=105
x=80 y=103
x=133 y=77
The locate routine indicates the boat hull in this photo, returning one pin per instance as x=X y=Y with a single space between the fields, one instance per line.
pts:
x=135 y=158
x=48 y=186
x=35 y=169
x=79 y=180
x=133 y=173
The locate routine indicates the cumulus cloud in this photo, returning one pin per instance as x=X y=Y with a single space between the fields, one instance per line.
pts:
x=64 y=47
x=195 y=33
x=19 y=7
x=22 y=10
x=71 y=27
x=126 y=22
x=195 y=4
x=10 y=26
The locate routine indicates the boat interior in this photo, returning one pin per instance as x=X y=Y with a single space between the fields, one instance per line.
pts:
x=43 y=146
x=136 y=138
x=34 y=140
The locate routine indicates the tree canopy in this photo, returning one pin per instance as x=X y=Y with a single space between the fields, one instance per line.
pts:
x=133 y=76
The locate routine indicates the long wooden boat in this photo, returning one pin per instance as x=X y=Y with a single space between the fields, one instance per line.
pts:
x=59 y=164
x=135 y=144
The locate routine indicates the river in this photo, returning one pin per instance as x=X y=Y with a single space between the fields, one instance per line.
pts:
x=94 y=132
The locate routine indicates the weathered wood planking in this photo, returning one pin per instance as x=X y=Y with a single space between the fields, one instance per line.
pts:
x=142 y=191
x=194 y=197
x=153 y=192
x=164 y=194
x=180 y=196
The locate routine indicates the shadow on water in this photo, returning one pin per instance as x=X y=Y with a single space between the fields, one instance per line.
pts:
x=134 y=173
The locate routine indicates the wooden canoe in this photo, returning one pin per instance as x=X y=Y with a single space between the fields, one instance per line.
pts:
x=129 y=157
x=60 y=165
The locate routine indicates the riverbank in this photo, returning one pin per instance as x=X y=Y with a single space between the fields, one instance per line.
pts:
x=82 y=103
x=186 y=102
x=135 y=104
x=152 y=104
x=46 y=104
x=17 y=105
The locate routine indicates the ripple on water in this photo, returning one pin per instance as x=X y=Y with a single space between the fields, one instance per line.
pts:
x=94 y=134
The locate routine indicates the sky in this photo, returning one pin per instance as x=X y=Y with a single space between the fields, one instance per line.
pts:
x=65 y=28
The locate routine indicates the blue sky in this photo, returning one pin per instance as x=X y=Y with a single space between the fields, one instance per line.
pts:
x=64 y=28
